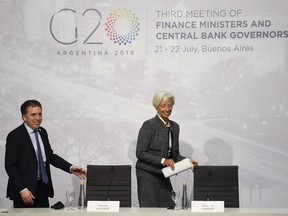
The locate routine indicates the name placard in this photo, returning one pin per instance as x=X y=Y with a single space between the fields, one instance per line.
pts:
x=207 y=206
x=103 y=206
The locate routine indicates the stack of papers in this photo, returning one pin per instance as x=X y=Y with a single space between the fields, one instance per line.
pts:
x=180 y=166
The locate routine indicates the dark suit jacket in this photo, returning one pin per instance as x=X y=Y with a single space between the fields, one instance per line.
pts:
x=153 y=144
x=21 y=162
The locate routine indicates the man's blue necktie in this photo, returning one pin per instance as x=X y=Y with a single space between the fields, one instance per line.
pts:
x=43 y=173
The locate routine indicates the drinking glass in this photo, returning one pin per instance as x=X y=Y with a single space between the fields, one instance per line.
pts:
x=70 y=194
x=175 y=195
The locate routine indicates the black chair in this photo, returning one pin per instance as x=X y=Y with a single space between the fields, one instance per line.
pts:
x=109 y=182
x=217 y=183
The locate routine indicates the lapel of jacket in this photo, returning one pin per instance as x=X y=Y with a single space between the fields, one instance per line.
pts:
x=172 y=130
x=27 y=138
x=165 y=132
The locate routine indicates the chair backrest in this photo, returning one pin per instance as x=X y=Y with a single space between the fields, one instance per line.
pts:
x=217 y=183
x=109 y=182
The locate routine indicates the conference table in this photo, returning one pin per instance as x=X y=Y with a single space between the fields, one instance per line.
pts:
x=143 y=212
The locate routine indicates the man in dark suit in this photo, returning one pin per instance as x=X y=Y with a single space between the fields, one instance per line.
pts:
x=28 y=185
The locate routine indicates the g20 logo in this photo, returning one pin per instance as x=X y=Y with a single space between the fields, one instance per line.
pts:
x=122 y=26
x=117 y=20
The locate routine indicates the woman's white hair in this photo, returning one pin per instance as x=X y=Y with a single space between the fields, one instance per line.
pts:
x=159 y=96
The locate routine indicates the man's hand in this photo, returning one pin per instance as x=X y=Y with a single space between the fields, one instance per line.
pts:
x=27 y=197
x=79 y=171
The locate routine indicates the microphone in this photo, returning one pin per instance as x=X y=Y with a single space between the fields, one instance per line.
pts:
x=209 y=182
x=111 y=181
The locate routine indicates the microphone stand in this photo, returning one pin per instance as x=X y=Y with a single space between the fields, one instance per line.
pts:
x=209 y=182
x=111 y=181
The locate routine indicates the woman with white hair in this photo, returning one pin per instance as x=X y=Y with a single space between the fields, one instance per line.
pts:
x=157 y=147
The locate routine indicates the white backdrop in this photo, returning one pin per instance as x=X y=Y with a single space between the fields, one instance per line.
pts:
x=95 y=66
